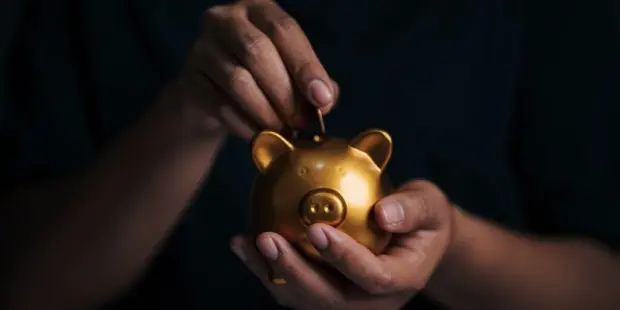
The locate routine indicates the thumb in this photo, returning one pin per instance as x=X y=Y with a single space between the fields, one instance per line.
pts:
x=414 y=206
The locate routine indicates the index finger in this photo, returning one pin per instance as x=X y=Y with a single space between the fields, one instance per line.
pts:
x=296 y=52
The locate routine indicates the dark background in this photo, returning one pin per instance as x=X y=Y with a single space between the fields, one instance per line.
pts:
x=511 y=107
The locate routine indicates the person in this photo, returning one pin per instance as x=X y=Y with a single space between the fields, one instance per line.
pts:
x=126 y=167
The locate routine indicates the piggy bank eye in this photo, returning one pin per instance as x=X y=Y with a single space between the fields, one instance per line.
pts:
x=301 y=171
x=340 y=170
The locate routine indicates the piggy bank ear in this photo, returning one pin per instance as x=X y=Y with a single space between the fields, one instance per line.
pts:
x=377 y=144
x=267 y=146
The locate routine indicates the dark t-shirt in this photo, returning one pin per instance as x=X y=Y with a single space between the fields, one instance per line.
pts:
x=511 y=107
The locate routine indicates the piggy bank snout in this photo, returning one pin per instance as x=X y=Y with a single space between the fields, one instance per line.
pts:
x=322 y=206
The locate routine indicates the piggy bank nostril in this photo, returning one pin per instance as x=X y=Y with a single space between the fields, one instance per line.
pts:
x=314 y=208
x=328 y=208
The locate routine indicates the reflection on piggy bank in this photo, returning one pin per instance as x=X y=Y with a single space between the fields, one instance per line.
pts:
x=324 y=180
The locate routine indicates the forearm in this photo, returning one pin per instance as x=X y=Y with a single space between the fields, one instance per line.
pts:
x=491 y=268
x=107 y=222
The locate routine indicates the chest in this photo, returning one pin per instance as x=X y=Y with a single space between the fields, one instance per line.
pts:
x=445 y=91
x=441 y=80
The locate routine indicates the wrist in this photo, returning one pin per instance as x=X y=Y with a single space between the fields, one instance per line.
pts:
x=458 y=242
x=457 y=256
x=476 y=250
x=181 y=104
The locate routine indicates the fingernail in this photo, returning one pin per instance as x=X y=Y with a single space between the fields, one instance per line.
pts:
x=393 y=212
x=332 y=234
x=317 y=237
x=268 y=248
x=239 y=252
x=320 y=93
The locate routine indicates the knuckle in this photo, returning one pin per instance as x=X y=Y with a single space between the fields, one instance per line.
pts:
x=412 y=204
x=253 y=45
x=427 y=187
x=424 y=183
x=425 y=200
x=303 y=68
x=419 y=184
x=239 y=79
x=281 y=24
x=213 y=12
x=220 y=17
x=382 y=283
x=422 y=207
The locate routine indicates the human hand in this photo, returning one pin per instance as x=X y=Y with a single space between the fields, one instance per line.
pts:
x=419 y=216
x=253 y=68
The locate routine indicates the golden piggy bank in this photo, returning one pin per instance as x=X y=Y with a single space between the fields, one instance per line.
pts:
x=321 y=180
